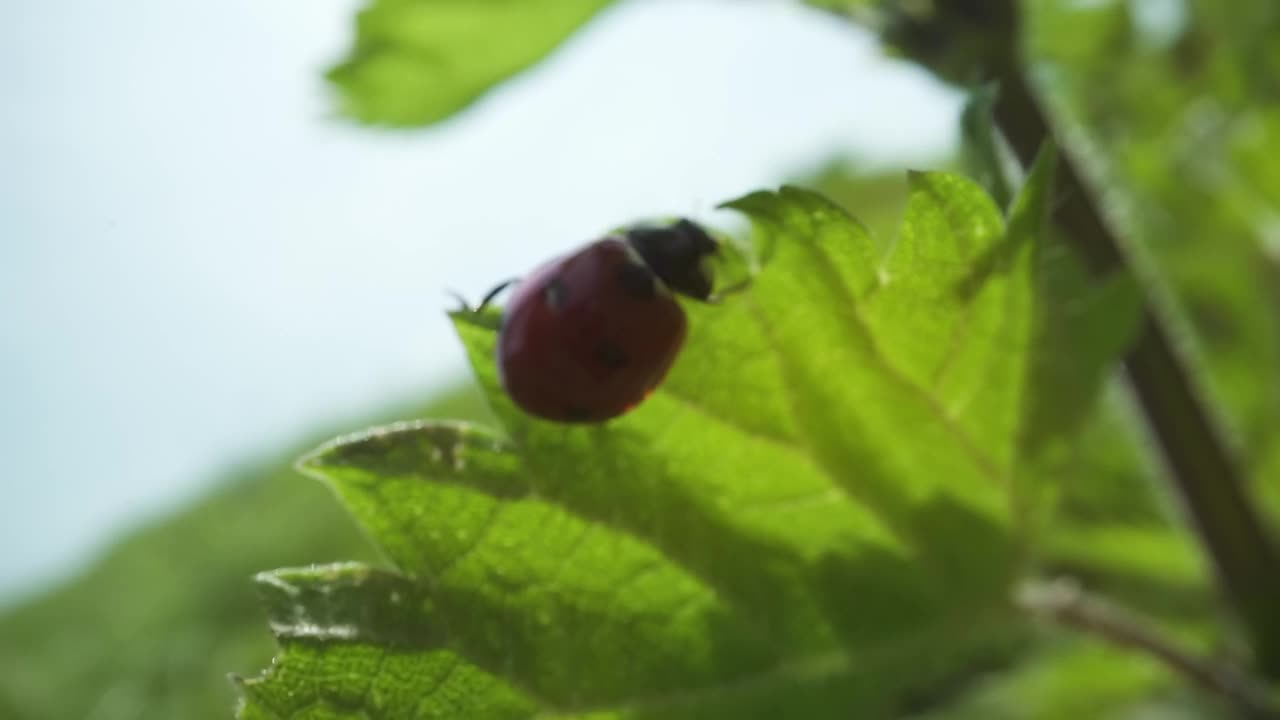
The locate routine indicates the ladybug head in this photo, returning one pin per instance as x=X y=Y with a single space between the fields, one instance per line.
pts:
x=675 y=254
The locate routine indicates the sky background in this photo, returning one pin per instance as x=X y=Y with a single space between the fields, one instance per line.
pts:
x=200 y=263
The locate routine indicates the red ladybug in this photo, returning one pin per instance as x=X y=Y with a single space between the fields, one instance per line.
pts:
x=589 y=335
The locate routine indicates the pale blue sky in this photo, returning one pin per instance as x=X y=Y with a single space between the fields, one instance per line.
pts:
x=199 y=263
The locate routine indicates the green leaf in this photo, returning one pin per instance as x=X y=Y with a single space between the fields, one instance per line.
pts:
x=840 y=6
x=1082 y=325
x=91 y=648
x=1067 y=681
x=815 y=515
x=416 y=62
x=364 y=637
x=1137 y=553
x=982 y=154
x=1182 y=148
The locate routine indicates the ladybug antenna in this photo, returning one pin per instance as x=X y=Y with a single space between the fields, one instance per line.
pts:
x=484 y=301
x=463 y=305
x=489 y=296
x=675 y=254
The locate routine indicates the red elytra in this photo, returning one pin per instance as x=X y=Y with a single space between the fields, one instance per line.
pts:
x=588 y=336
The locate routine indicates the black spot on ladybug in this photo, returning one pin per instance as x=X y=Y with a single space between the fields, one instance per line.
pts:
x=637 y=280
x=554 y=294
x=610 y=355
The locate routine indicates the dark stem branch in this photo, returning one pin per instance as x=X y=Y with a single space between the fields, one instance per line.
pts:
x=1066 y=604
x=1201 y=468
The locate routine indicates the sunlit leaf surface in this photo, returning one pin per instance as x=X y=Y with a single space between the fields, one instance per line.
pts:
x=817 y=513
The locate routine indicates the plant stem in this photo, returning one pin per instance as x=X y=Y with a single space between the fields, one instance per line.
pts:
x=1065 y=603
x=1203 y=472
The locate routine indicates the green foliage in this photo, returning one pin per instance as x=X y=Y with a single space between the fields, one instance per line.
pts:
x=151 y=630
x=1179 y=128
x=416 y=62
x=1174 y=128
x=1073 y=680
x=822 y=510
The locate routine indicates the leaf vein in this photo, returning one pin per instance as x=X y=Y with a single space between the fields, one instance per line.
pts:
x=377 y=670
x=832 y=473
x=444 y=678
x=849 y=309
x=781 y=441
x=479 y=538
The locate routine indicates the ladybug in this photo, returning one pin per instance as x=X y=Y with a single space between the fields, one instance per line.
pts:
x=587 y=336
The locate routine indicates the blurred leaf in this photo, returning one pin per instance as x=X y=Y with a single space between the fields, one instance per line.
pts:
x=1084 y=325
x=416 y=62
x=984 y=157
x=812 y=516
x=1112 y=530
x=1073 y=679
x=1136 y=552
x=841 y=6
x=1179 y=136
x=151 y=629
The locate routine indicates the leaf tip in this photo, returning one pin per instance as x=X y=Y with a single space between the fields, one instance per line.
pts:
x=750 y=203
x=1030 y=208
x=312 y=464
x=1047 y=155
x=1040 y=176
x=275 y=583
x=237 y=682
x=241 y=686
x=796 y=191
